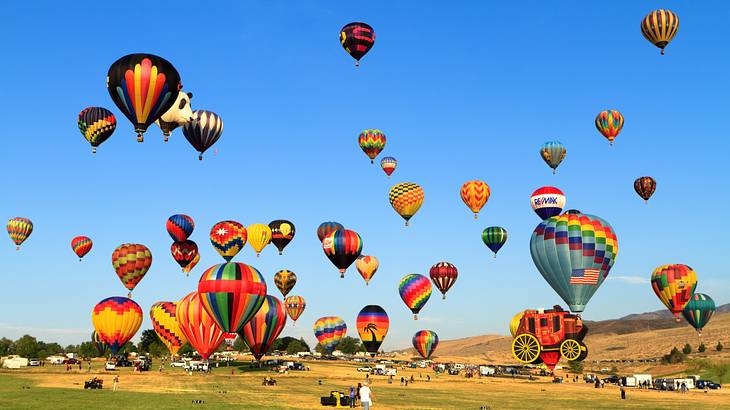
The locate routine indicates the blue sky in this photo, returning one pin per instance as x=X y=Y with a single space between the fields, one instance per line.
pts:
x=467 y=92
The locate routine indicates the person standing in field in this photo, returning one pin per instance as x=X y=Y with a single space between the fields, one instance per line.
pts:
x=116 y=382
x=352 y=396
x=366 y=396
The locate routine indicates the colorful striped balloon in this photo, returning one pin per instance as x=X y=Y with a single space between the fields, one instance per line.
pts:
x=547 y=201
x=367 y=266
x=371 y=143
x=232 y=293
x=609 y=124
x=164 y=321
x=180 y=227
x=415 y=290
x=553 y=153
x=228 y=238
x=372 y=325
x=184 y=252
x=81 y=245
x=698 y=311
x=574 y=253
x=425 y=342
x=198 y=326
x=264 y=327
x=674 y=285
x=295 y=306
x=143 y=86
x=96 y=124
x=342 y=247
x=285 y=281
x=259 y=235
x=282 y=232
x=326 y=228
x=406 y=198
x=660 y=27
x=329 y=330
x=99 y=344
x=388 y=165
x=494 y=237
x=203 y=131
x=645 y=187
x=116 y=320
x=475 y=195
x=131 y=261
x=443 y=275
x=19 y=230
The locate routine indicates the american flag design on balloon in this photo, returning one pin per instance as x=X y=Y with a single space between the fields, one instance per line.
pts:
x=232 y=293
x=164 y=321
x=609 y=123
x=372 y=325
x=425 y=342
x=96 y=124
x=228 y=238
x=475 y=195
x=674 y=285
x=81 y=245
x=415 y=290
x=329 y=330
x=264 y=327
x=131 y=261
x=116 y=320
x=406 y=199
x=372 y=143
x=294 y=306
x=180 y=227
x=198 y=326
x=547 y=201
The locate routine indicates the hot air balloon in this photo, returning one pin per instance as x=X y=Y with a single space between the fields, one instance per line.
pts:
x=180 y=227
x=192 y=264
x=96 y=124
x=415 y=290
x=553 y=153
x=259 y=235
x=698 y=311
x=164 y=321
x=326 y=228
x=660 y=27
x=514 y=323
x=19 y=230
x=443 y=275
x=388 y=164
x=425 y=342
x=547 y=201
x=285 y=281
x=294 y=306
x=116 y=320
x=232 y=293
x=475 y=194
x=228 y=238
x=674 y=285
x=372 y=325
x=342 y=247
x=131 y=261
x=184 y=252
x=282 y=232
x=371 y=143
x=203 y=131
x=645 y=187
x=81 y=245
x=264 y=327
x=609 y=124
x=198 y=326
x=357 y=38
x=494 y=237
x=367 y=266
x=230 y=338
x=143 y=86
x=99 y=344
x=406 y=198
x=574 y=253
x=329 y=330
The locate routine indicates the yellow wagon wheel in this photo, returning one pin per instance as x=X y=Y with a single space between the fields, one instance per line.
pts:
x=570 y=349
x=526 y=348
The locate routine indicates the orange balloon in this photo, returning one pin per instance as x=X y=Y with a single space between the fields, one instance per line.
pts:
x=475 y=195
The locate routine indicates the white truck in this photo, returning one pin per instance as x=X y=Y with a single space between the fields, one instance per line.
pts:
x=690 y=383
x=643 y=378
x=486 y=370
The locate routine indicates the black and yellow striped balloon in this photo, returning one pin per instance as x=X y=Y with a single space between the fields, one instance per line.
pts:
x=96 y=125
x=660 y=27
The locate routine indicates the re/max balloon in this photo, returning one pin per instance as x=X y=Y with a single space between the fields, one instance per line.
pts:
x=547 y=201
x=372 y=325
x=265 y=326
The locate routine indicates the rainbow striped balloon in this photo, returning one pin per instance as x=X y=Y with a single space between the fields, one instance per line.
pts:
x=326 y=228
x=265 y=326
x=294 y=306
x=674 y=285
x=609 y=124
x=96 y=124
x=232 y=293
x=180 y=227
x=371 y=143
x=329 y=330
x=342 y=247
x=415 y=290
x=81 y=245
x=164 y=321
x=425 y=342
x=198 y=326
x=19 y=230
x=116 y=320
x=372 y=325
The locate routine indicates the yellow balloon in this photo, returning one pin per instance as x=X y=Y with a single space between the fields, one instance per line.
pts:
x=514 y=323
x=406 y=198
x=259 y=235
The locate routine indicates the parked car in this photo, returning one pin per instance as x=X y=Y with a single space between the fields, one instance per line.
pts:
x=557 y=379
x=34 y=362
x=179 y=363
x=366 y=369
x=71 y=361
x=110 y=366
x=707 y=384
x=611 y=379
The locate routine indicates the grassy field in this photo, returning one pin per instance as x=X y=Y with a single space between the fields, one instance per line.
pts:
x=53 y=387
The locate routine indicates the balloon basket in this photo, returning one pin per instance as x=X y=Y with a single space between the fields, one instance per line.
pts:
x=93 y=150
x=372 y=161
x=476 y=216
x=443 y=296
x=200 y=157
x=367 y=283
x=281 y=253
x=357 y=63
x=80 y=259
x=342 y=275
x=553 y=171
x=258 y=254
x=129 y=295
x=415 y=317
x=166 y=137
x=140 y=138
x=17 y=248
x=406 y=223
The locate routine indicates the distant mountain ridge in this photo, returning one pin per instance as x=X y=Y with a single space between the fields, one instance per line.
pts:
x=639 y=322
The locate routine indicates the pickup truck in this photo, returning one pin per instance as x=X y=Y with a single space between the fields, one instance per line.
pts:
x=366 y=369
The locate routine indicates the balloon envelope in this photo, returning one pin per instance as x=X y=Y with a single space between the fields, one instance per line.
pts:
x=198 y=326
x=326 y=228
x=96 y=124
x=228 y=238
x=180 y=227
x=475 y=194
x=329 y=330
x=443 y=275
x=131 y=261
x=259 y=235
x=184 y=252
x=698 y=311
x=553 y=153
x=674 y=285
x=342 y=247
x=372 y=143
x=547 y=201
x=295 y=306
x=164 y=321
x=406 y=199
x=81 y=245
x=116 y=320
x=264 y=327
x=425 y=342
x=609 y=124
x=660 y=27
x=494 y=237
x=372 y=325
x=282 y=232
x=357 y=38
x=367 y=266
x=388 y=164
x=645 y=187
x=285 y=281
x=415 y=290
x=203 y=131
x=19 y=230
